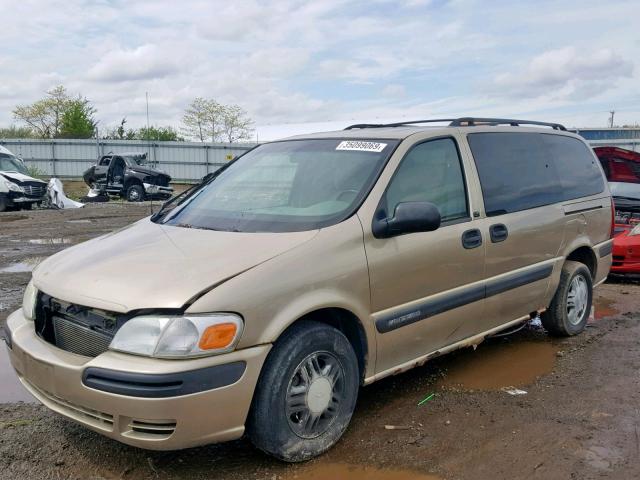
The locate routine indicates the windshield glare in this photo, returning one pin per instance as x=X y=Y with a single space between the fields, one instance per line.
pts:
x=136 y=160
x=9 y=163
x=287 y=186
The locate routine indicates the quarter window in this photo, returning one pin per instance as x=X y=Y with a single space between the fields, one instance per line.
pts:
x=430 y=172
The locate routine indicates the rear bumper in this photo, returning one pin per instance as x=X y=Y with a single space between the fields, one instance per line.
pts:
x=603 y=258
x=148 y=403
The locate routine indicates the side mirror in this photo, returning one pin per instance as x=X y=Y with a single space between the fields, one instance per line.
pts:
x=408 y=217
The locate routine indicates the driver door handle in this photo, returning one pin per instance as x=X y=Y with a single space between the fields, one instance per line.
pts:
x=471 y=238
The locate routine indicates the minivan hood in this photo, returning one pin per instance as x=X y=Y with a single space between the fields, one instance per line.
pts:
x=147 y=265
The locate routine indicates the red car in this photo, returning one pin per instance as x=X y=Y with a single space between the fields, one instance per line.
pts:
x=622 y=168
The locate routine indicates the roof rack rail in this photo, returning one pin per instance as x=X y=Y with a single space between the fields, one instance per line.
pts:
x=462 y=122
x=398 y=124
x=473 y=121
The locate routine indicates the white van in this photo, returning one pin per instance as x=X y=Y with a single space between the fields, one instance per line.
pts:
x=17 y=189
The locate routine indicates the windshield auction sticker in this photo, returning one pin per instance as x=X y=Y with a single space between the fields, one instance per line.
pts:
x=358 y=146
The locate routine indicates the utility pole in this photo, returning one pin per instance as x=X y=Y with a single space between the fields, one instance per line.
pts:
x=612 y=112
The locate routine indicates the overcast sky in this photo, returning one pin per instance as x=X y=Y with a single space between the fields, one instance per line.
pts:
x=299 y=66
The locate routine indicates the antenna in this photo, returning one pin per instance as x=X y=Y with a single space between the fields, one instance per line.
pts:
x=612 y=112
x=146 y=94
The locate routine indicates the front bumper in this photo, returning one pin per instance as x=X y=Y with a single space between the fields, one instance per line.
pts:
x=626 y=254
x=158 y=422
x=158 y=191
x=17 y=198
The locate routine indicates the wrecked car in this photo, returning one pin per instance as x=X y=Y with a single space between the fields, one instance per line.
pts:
x=128 y=175
x=622 y=168
x=17 y=189
x=266 y=297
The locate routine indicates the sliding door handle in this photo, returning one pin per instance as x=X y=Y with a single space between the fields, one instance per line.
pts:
x=498 y=232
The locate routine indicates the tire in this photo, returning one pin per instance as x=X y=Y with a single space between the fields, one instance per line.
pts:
x=135 y=193
x=299 y=383
x=3 y=203
x=27 y=206
x=576 y=287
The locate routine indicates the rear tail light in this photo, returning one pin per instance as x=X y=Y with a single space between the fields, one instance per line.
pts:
x=613 y=219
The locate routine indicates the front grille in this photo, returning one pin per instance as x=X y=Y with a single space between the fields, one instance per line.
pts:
x=76 y=328
x=34 y=190
x=76 y=338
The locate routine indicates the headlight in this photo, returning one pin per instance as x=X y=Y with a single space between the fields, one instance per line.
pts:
x=165 y=336
x=29 y=301
x=635 y=230
x=15 y=188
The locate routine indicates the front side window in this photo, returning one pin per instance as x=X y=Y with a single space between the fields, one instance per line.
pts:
x=430 y=172
x=286 y=186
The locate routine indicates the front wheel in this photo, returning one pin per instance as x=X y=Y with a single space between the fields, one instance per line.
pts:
x=135 y=193
x=306 y=393
x=570 y=308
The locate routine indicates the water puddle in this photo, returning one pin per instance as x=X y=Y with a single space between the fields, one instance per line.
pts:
x=340 y=471
x=12 y=390
x=50 y=241
x=25 y=266
x=495 y=365
x=604 y=307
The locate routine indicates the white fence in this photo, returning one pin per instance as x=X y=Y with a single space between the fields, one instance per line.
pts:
x=184 y=161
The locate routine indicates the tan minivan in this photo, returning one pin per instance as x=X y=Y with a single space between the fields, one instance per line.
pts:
x=263 y=299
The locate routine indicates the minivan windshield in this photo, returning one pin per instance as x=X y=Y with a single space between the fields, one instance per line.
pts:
x=286 y=186
x=9 y=163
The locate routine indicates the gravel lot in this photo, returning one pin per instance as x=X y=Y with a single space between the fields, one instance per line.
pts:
x=579 y=419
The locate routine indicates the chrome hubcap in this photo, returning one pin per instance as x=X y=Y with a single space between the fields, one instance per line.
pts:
x=577 y=299
x=314 y=394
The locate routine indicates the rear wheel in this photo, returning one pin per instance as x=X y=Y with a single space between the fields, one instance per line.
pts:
x=3 y=203
x=135 y=193
x=306 y=393
x=570 y=308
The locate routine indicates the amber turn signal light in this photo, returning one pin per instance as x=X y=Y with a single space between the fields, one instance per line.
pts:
x=218 y=336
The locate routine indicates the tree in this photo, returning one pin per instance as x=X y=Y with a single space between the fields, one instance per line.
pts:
x=17 y=132
x=236 y=125
x=45 y=116
x=77 y=119
x=203 y=120
x=162 y=134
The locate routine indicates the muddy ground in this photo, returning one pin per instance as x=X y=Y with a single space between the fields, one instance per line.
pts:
x=580 y=417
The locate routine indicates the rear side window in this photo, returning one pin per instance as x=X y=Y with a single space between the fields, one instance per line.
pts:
x=430 y=172
x=519 y=171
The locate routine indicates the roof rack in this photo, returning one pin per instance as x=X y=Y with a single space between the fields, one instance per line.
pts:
x=462 y=122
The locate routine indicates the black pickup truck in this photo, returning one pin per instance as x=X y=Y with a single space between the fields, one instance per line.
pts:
x=129 y=176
